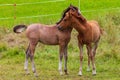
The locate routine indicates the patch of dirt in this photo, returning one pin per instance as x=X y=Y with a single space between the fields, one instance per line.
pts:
x=13 y=39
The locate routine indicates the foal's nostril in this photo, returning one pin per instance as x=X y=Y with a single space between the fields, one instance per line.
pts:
x=59 y=27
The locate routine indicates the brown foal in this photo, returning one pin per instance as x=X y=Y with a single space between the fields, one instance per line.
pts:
x=89 y=34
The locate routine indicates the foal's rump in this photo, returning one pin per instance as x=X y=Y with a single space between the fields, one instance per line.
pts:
x=96 y=27
x=19 y=28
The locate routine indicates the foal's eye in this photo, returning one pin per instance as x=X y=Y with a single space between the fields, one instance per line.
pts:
x=65 y=20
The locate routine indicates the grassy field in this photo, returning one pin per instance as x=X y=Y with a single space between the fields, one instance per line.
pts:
x=13 y=46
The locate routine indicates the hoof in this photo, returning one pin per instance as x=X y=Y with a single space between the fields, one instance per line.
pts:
x=80 y=73
x=35 y=74
x=94 y=73
x=60 y=71
x=66 y=73
x=27 y=73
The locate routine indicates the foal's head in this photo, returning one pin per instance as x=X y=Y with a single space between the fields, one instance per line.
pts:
x=70 y=17
x=67 y=9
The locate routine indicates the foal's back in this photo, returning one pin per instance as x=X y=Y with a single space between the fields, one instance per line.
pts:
x=47 y=34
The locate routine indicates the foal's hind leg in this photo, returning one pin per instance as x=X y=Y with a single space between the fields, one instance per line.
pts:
x=26 y=60
x=94 y=53
x=32 y=50
x=88 y=68
x=91 y=55
x=81 y=59
x=95 y=47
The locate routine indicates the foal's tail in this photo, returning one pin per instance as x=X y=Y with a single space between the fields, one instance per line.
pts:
x=19 y=28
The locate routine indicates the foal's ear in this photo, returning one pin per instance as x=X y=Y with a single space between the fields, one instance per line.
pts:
x=70 y=14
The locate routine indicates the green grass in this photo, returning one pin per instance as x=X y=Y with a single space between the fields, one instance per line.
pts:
x=13 y=46
x=47 y=65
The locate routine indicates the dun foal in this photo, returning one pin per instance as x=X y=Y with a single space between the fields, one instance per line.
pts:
x=46 y=34
x=89 y=34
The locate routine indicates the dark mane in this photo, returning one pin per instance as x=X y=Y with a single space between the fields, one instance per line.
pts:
x=80 y=18
x=65 y=11
x=63 y=14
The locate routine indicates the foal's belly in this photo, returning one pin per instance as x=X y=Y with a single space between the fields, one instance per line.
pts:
x=49 y=40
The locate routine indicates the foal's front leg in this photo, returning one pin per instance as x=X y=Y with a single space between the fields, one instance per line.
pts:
x=81 y=58
x=61 y=52
x=65 y=62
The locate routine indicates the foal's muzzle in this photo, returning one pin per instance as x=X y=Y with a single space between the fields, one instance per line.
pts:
x=60 y=28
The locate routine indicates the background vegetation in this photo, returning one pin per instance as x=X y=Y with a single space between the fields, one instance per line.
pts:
x=13 y=46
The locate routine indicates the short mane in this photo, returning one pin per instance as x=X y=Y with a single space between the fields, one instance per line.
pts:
x=80 y=18
x=63 y=14
x=65 y=11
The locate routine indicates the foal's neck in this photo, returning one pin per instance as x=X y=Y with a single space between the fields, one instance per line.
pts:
x=80 y=26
